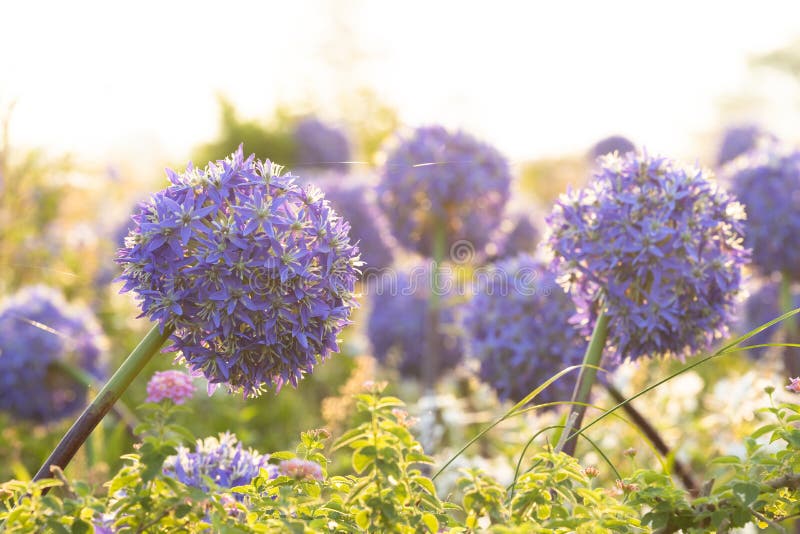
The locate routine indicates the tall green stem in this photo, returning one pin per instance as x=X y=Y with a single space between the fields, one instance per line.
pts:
x=99 y=407
x=90 y=382
x=580 y=396
x=791 y=362
x=431 y=360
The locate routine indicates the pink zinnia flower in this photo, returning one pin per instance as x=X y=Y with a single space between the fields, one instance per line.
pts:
x=173 y=385
x=794 y=385
x=300 y=469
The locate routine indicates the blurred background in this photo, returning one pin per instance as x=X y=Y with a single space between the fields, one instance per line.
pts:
x=96 y=99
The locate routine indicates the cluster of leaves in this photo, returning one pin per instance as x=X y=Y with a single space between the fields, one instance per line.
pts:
x=389 y=490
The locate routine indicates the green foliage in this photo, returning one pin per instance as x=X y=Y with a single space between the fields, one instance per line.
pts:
x=388 y=489
x=272 y=140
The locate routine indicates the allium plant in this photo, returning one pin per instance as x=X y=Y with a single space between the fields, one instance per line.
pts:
x=399 y=323
x=223 y=460
x=738 y=140
x=439 y=181
x=355 y=201
x=42 y=337
x=254 y=273
x=517 y=326
x=767 y=182
x=173 y=385
x=614 y=143
x=657 y=248
x=321 y=145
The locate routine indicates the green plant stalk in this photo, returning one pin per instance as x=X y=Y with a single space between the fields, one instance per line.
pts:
x=429 y=364
x=100 y=406
x=86 y=379
x=580 y=396
x=791 y=362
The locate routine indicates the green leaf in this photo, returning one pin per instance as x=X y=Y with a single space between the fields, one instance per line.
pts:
x=747 y=492
x=431 y=522
x=726 y=460
x=362 y=519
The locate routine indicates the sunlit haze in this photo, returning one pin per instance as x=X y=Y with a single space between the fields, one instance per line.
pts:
x=536 y=79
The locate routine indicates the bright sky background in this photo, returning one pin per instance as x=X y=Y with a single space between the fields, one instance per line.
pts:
x=108 y=80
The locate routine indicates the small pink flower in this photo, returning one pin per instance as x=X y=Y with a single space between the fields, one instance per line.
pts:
x=794 y=385
x=300 y=469
x=173 y=385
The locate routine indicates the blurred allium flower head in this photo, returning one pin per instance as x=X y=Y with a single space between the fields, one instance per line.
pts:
x=39 y=329
x=767 y=181
x=738 y=140
x=517 y=326
x=615 y=143
x=222 y=459
x=437 y=178
x=658 y=246
x=762 y=306
x=517 y=235
x=255 y=273
x=321 y=145
x=399 y=326
x=173 y=385
x=355 y=200
x=300 y=469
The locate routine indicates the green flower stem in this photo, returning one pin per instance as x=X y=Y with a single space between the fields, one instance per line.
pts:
x=99 y=407
x=86 y=379
x=655 y=438
x=791 y=362
x=429 y=364
x=591 y=360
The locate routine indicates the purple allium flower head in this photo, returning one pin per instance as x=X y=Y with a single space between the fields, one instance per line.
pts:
x=222 y=459
x=767 y=182
x=517 y=326
x=356 y=202
x=173 y=385
x=762 y=306
x=516 y=235
x=614 y=143
x=301 y=469
x=740 y=139
x=398 y=327
x=435 y=177
x=38 y=329
x=255 y=273
x=320 y=145
x=658 y=246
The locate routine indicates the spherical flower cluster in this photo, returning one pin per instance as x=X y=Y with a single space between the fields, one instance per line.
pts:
x=356 y=203
x=320 y=145
x=762 y=306
x=657 y=247
x=740 y=139
x=173 y=385
x=39 y=331
x=615 y=143
x=437 y=179
x=399 y=327
x=301 y=469
x=255 y=274
x=517 y=326
x=222 y=459
x=767 y=182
